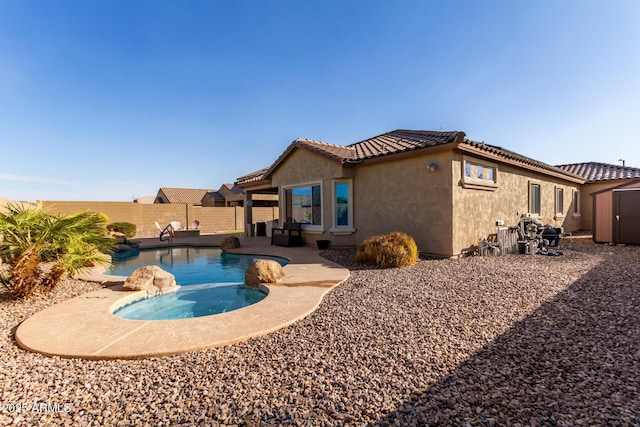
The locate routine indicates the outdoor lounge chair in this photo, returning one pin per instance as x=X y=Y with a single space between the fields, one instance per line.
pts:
x=289 y=235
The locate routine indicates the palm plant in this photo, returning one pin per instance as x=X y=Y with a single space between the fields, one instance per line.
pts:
x=71 y=243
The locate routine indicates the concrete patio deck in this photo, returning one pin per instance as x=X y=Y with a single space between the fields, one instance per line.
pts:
x=84 y=327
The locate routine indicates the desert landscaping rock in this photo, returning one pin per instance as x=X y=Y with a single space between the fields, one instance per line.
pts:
x=509 y=340
x=263 y=271
x=152 y=279
x=230 y=242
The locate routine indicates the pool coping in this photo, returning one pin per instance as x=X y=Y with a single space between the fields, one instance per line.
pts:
x=84 y=327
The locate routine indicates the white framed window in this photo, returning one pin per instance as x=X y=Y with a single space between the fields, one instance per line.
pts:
x=303 y=204
x=534 y=198
x=575 y=203
x=342 y=206
x=559 y=201
x=479 y=174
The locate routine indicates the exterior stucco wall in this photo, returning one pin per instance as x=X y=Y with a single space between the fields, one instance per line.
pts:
x=475 y=212
x=304 y=167
x=396 y=195
x=404 y=195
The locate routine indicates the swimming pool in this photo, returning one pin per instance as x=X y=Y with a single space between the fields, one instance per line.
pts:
x=212 y=282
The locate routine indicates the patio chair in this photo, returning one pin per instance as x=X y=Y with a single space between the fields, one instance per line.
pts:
x=289 y=235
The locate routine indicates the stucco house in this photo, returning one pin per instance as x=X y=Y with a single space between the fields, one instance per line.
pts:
x=227 y=195
x=445 y=190
x=191 y=196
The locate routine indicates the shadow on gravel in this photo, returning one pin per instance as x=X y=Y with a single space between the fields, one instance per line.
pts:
x=575 y=360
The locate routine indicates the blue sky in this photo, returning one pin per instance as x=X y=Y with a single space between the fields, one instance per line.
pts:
x=111 y=100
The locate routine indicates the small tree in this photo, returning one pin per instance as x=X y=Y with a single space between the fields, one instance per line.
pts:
x=70 y=243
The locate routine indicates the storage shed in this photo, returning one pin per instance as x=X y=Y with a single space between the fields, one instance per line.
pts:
x=616 y=213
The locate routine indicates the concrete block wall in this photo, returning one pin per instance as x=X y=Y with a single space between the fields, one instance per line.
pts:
x=144 y=216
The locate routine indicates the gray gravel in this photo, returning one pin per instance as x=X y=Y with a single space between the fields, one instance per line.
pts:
x=510 y=340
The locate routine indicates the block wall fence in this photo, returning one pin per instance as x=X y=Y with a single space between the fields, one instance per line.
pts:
x=144 y=216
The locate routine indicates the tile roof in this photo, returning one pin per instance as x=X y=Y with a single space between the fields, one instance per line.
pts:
x=335 y=152
x=393 y=142
x=215 y=195
x=595 y=171
x=403 y=141
x=232 y=188
x=252 y=177
x=184 y=195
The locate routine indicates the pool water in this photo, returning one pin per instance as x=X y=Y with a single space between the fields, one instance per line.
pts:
x=192 y=301
x=211 y=281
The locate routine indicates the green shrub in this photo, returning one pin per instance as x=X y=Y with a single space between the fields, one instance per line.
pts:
x=395 y=249
x=125 y=228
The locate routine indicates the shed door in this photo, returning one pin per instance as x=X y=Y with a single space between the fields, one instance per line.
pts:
x=626 y=216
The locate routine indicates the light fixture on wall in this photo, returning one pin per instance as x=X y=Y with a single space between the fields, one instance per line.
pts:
x=432 y=166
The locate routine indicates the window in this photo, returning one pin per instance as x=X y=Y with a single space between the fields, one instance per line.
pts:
x=479 y=174
x=534 y=199
x=559 y=201
x=576 y=203
x=304 y=204
x=342 y=207
x=491 y=174
x=342 y=203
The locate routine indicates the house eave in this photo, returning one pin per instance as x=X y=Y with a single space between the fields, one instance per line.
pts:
x=256 y=185
x=515 y=162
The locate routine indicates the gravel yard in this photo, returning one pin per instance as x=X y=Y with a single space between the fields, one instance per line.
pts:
x=510 y=340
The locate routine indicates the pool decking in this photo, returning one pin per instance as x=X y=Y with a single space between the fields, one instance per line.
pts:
x=84 y=327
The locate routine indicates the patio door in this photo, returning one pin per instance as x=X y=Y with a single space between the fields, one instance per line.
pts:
x=626 y=216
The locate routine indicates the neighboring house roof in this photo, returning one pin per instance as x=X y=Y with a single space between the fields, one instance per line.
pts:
x=231 y=192
x=147 y=200
x=226 y=193
x=595 y=171
x=215 y=195
x=404 y=142
x=184 y=195
x=231 y=188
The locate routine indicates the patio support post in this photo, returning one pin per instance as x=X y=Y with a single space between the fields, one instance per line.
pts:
x=248 y=213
